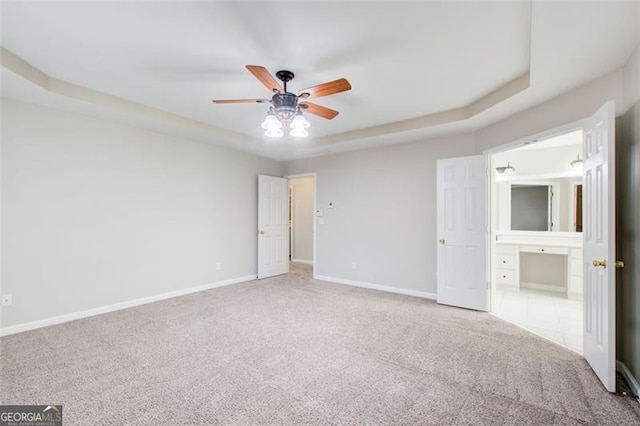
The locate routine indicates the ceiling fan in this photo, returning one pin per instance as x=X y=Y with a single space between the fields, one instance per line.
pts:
x=286 y=108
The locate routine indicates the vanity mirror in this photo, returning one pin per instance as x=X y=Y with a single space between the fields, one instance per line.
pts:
x=532 y=207
x=548 y=205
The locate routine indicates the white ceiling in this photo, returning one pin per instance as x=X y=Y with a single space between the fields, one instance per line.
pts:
x=404 y=60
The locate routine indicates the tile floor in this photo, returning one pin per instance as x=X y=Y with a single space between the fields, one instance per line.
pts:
x=546 y=314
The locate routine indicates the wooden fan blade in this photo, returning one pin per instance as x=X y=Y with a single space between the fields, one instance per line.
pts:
x=265 y=78
x=325 y=89
x=319 y=110
x=239 y=101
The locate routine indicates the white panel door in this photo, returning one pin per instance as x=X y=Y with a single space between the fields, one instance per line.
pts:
x=461 y=225
x=598 y=235
x=273 y=238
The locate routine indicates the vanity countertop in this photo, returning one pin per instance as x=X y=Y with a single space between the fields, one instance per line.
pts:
x=555 y=239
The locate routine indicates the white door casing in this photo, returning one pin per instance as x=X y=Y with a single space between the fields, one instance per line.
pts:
x=273 y=239
x=598 y=233
x=462 y=232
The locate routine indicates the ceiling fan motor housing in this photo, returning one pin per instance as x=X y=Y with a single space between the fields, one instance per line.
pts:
x=285 y=105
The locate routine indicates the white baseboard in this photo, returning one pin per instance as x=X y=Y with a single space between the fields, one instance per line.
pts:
x=388 y=289
x=543 y=287
x=5 y=331
x=306 y=262
x=631 y=381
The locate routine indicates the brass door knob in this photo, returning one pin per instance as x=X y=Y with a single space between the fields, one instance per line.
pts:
x=598 y=263
x=619 y=264
x=441 y=241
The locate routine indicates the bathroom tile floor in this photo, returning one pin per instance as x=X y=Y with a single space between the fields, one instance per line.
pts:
x=546 y=314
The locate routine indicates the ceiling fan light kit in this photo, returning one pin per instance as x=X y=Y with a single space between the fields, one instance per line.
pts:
x=271 y=122
x=286 y=108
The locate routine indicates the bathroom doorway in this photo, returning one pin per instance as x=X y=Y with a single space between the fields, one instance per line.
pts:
x=302 y=219
x=536 y=244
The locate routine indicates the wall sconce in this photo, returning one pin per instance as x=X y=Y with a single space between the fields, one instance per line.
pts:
x=508 y=169
x=576 y=164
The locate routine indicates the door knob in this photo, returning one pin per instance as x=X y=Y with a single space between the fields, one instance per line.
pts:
x=619 y=264
x=441 y=241
x=261 y=232
x=597 y=263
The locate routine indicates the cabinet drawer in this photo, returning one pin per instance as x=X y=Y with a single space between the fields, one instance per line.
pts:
x=544 y=249
x=506 y=261
x=505 y=276
x=506 y=248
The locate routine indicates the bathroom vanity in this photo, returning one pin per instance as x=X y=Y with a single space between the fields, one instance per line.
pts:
x=549 y=261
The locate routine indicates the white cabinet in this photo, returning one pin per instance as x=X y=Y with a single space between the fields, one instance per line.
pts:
x=514 y=256
x=506 y=266
x=574 y=290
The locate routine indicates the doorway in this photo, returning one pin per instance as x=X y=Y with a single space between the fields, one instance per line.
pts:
x=536 y=244
x=302 y=190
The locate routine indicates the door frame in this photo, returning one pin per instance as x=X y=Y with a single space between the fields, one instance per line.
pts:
x=315 y=204
x=492 y=209
x=291 y=213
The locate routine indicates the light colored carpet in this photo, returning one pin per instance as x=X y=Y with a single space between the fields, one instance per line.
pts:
x=292 y=350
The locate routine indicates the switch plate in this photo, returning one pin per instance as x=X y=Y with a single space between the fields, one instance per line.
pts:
x=6 y=300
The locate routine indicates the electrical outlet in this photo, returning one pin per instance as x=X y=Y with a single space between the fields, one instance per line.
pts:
x=353 y=265
x=218 y=266
x=6 y=300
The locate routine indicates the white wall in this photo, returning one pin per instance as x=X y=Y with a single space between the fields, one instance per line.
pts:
x=567 y=108
x=385 y=214
x=544 y=161
x=96 y=213
x=302 y=218
x=384 y=217
x=631 y=76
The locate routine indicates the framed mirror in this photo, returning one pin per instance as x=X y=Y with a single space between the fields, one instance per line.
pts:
x=532 y=207
x=540 y=205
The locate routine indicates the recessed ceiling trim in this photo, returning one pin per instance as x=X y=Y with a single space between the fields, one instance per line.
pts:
x=19 y=66
x=14 y=63
x=501 y=94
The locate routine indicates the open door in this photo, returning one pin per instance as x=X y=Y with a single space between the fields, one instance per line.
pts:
x=598 y=235
x=273 y=241
x=461 y=226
